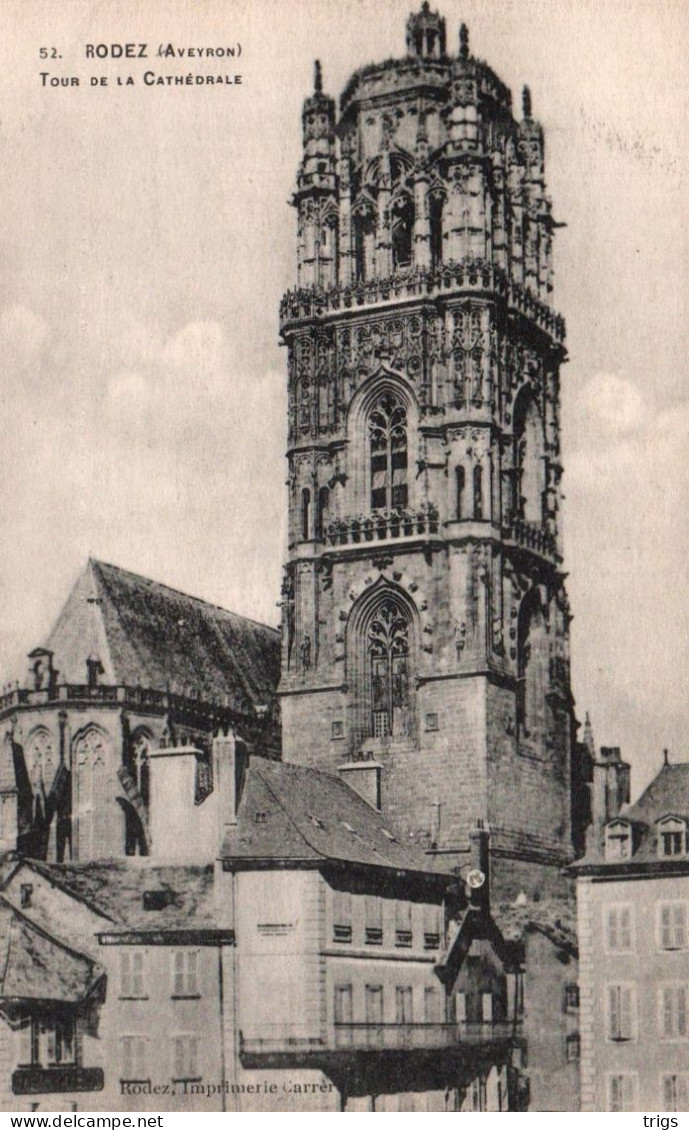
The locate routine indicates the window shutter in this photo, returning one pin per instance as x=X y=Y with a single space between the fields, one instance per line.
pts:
x=624 y=930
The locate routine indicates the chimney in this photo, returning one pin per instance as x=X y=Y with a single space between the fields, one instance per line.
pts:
x=363 y=775
x=478 y=876
x=610 y=785
x=182 y=822
x=230 y=764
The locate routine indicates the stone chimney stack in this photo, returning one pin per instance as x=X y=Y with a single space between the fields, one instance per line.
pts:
x=182 y=824
x=363 y=775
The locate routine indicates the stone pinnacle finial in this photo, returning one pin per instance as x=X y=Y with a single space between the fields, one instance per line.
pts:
x=666 y=757
x=463 y=41
x=317 y=77
x=526 y=102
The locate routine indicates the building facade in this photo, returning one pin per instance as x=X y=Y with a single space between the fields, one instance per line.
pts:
x=425 y=616
x=633 y=924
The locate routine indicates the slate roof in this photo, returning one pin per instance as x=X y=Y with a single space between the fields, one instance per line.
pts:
x=295 y=814
x=34 y=966
x=667 y=795
x=162 y=639
x=115 y=889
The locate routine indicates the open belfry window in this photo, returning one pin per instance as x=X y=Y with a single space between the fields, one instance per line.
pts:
x=388 y=437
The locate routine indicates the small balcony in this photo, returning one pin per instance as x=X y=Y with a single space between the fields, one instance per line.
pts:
x=531 y=535
x=53 y=1080
x=383 y=525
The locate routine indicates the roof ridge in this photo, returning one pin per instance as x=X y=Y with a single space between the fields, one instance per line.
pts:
x=179 y=592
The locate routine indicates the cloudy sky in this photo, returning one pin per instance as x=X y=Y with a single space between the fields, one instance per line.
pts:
x=145 y=240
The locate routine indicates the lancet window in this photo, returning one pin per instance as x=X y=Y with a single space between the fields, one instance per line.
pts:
x=388 y=653
x=388 y=439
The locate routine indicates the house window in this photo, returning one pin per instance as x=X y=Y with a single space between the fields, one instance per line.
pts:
x=388 y=650
x=388 y=438
x=622 y=1092
x=185 y=973
x=431 y=722
x=374 y=1004
x=675 y=1091
x=133 y=1059
x=431 y=1006
x=403 y=931
x=132 y=973
x=618 y=929
x=25 y=894
x=672 y=922
x=373 y=931
x=48 y=1041
x=671 y=837
x=571 y=998
x=342 y=916
x=621 y=1012
x=572 y=1048
x=673 y=1001
x=431 y=927
x=343 y=1004
x=404 y=1007
x=185 y=1057
x=618 y=840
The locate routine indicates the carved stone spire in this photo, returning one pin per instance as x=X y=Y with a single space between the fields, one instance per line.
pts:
x=526 y=102
x=463 y=41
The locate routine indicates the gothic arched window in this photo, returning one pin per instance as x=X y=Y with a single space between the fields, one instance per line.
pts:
x=478 y=492
x=532 y=667
x=93 y=814
x=388 y=654
x=305 y=507
x=322 y=514
x=459 y=484
x=388 y=436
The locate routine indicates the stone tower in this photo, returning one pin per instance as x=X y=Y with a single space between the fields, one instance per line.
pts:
x=425 y=618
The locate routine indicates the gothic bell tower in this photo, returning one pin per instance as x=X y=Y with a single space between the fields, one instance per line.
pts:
x=425 y=619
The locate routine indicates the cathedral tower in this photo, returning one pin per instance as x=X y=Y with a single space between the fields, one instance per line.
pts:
x=425 y=618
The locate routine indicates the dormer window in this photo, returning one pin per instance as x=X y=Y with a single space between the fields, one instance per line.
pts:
x=672 y=836
x=618 y=840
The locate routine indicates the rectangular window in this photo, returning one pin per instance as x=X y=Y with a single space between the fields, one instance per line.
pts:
x=403 y=1005
x=672 y=921
x=403 y=931
x=573 y=1048
x=374 y=1004
x=185 y=973
x=431 y=1006
x=343 y=1004
x=621 y=1001
x=461 y=1007
x=622 y=1092
x=675 y=1091
x=185 y=1057
x=342 y=916
x=572 y=997
x=373 y=932
x=672 y=1012
x=133 y=1059
x=431 y=927
x=619 y=936
x=131 y=973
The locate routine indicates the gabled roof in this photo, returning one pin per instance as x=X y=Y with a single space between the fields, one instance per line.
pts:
x=34 y=966
x=292 y=814
x=147 y=634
